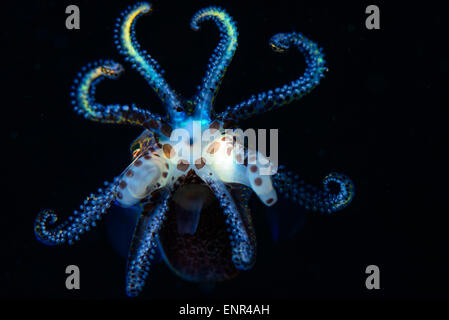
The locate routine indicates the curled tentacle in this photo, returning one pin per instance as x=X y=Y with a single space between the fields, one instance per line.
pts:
x=84 y=102
x=220 y=59
x=125 y=39
x=243 y=246
x=294 y=90
x=92 y=210
x=144 y=244
x=332 y=198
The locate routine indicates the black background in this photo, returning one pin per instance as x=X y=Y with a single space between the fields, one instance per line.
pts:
x=377 y=116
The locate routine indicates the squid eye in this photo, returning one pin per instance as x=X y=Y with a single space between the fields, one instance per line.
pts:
x=135 y=149
x=136 y=152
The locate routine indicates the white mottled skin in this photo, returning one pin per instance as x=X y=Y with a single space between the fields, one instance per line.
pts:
x=223 y=158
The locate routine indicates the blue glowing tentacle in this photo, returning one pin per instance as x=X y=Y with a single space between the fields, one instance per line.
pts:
x=220 y=59
x=294 y=90
x=144 y=244
x=243 y=246
x=84 y=102
x=92 y=210
x=326 y=200
x=242 y=195
x=125 y=39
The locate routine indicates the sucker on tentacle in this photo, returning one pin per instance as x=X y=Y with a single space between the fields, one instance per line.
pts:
x=92 y=210
x=141 y=61
x=328 y=201
x=220 y=59
x=295 y=90
x=83 y=93
x=243 y=250
x=144 y=245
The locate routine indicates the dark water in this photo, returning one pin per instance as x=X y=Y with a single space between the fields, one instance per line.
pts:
x=377 y=117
